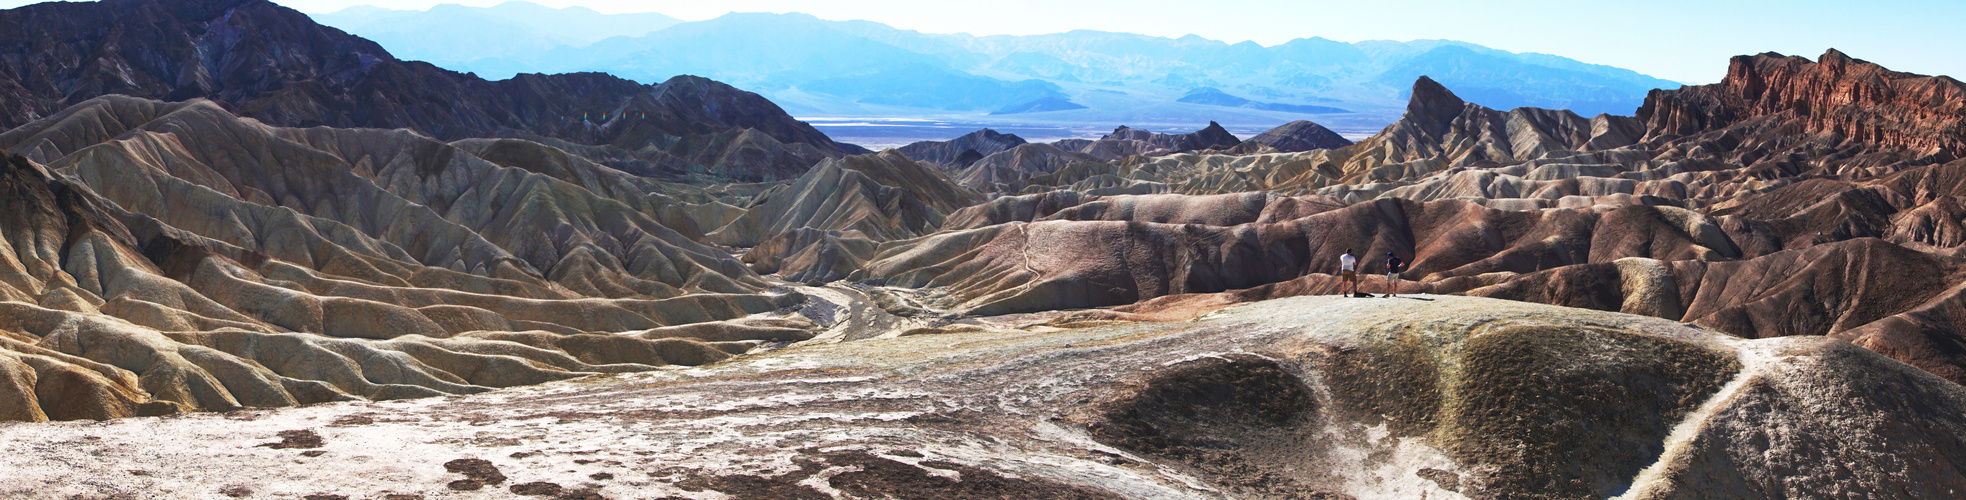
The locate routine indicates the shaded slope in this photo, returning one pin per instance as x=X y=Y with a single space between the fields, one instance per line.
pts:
x=274 y=64
x=959 y=153
x=1300 y=135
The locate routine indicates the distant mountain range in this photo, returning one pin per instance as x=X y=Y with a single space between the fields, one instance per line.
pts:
x=816 y=67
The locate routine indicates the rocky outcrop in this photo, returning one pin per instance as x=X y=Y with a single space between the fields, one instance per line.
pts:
x=957 y=154
x=1300 y=135
x=274 y=64
x=1836 y=101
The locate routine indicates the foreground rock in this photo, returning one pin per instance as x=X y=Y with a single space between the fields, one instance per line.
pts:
x=1318 y=397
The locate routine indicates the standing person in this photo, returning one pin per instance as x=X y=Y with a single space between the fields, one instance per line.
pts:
x=1393 y=267
x=1348 y=272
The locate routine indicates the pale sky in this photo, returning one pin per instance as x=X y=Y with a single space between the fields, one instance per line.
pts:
x=1682 y=40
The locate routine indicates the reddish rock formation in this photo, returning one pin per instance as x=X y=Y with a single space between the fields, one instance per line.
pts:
x=1871 y=115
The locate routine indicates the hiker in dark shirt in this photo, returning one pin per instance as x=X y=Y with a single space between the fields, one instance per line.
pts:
x=1393 y=267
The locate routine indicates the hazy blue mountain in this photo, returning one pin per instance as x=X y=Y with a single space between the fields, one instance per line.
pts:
x=1039 y=105
x=819 y=67
x=776 y=53
x=487 y=39
x=1320 y=70
x=1216 y=97
x=1503 y=82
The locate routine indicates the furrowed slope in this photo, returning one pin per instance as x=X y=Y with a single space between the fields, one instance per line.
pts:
x=172 y=257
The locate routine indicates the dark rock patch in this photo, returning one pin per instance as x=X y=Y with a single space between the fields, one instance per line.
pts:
x=579 y=494
x=296 y=439
x=1573 y=412
x=537 y=489
x=351 y=420
x=1245 y=423
x=746 y=486
x=1446 y=480
x=477 y=473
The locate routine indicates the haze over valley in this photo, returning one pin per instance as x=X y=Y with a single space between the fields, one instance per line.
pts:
x=862 y=70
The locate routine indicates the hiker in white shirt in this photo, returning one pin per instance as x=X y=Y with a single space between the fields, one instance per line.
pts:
x=1348 y=271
